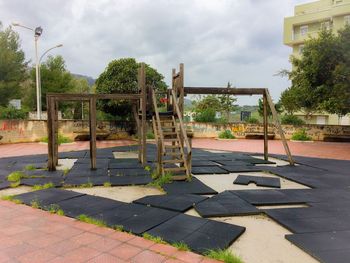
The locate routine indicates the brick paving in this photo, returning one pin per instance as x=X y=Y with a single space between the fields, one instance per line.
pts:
x=32 y=235
x=330 y=150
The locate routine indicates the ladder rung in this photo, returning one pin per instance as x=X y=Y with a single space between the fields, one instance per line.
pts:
x=173 y=154
x=172 y=146
x=175 y=169
x=179 y=177
x=173 y=161
x=169 y=133
x=171 y=140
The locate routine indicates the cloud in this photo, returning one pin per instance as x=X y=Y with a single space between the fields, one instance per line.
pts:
x=219 y=41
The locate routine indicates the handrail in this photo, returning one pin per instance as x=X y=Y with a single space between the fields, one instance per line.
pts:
x=182 y=129
x=161 y=136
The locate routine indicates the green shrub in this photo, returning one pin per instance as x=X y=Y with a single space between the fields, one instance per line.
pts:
x=61 y=139
x=181 y=246
x=292 y=120
x=150 y=135
x=301 y=135
x=91 y=220
x=226 y=134
x=12 y=113
x=223 y=255
x=207 y=115
x=15 y=176
x=252 y=120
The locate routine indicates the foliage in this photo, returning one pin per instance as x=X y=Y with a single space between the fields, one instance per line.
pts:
x=226 y=134
x=301 y=135
x=90 y=220
x=120 y=76
x=12 y=65
x=161 y=180
x=150 y=135
x=158 y=240
x=11 y=113
x=107 y=184
x=278 y=108
x=44 y=186
x=223 y=255
x=30 y=167
x=55 y=209
x=15 y=176
x=207 y=115
x=227 y=104
x=288 y=100
x=35 y=204
x=11 y=198
x=181 y=246
x=61 y=139
x=320 y=77
x=291 y=120
x=252 y=120
x=80 y=85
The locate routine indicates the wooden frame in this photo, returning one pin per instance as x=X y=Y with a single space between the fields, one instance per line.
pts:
x=52 y=118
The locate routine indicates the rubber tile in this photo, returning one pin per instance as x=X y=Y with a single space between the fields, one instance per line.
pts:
x=87 y=204
x=129 y=172
x=241 y=169
x=130 y=180
x=97 y=180
x=255 y=161
x=322 y=241
x=225 y=204
x=195 y=186
x=234 y=163
x=196 y=163
x=333 y=256
x=152 y=217
x=103 y=163
x=72 y=155
x=299 y=212
x=258 y=180
x=80 y=172
x=56 y=181
x=45 y=173
x=198 y=233
x=180 y=203
x=5 y=184
x=20 y=165
x=47 y=196
x=266 y=197
x=208 y=170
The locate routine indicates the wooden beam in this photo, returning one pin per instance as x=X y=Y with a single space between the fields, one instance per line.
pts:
x=137 y=120
x=56 y=127
x=92 y=120
x=265 y=123
x=87 y=97
x=279 y=127
x=221 y=90
x=181 y=88
x=51 y=165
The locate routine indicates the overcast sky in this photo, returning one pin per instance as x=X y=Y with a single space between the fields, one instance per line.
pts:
x=219 y=41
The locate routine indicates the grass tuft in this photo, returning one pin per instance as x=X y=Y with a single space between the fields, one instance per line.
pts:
x=160 y=181
x=90 y=220
x=181 y=246
x=147 y=168
x=15 y=176
x=118 y=228
x=223 y=255
x=158 y=240
x=44 y=186
x=30 y=167
x=35 y=204
x=66 y=171
x=11 y=198
x=55 y=209
x=107 y=184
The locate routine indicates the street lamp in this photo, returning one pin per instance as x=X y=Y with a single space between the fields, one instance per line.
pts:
x=39 y=73
x=37 y=33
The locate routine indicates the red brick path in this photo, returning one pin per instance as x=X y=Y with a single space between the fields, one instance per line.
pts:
x=33 y=235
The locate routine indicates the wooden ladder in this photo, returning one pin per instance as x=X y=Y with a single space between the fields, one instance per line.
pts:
x=171 y=156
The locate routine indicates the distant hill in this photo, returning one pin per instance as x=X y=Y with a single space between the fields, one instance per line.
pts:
x=89 y=79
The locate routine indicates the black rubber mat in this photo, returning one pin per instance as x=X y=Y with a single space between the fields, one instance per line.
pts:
x=72 y=155
x=87 y=204
x=203 y=163
x=56 y=181
x=208 y=170
x=225 y=204
x=47 y=197
x=129 y=172
x=252 y=160
x=195 y=186
x=258 y=180
x=199 y=234
x=97 y=180
x=180 y=203
x=44 y=173
x=86 y=171
x=234 y=163
x=241 y=169
x=130 y=180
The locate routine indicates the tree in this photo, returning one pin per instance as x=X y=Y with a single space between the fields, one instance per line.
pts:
x=269 y=113
x=320 y=77
x=227 y=104
x=12 y=65
x=120 y=76
x=80 y=85
x=208 y=102
x=55 y=78
x=289 y=101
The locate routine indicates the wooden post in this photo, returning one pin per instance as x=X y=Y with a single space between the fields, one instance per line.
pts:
x=181 y=88
x=142 y=83
x=279 y=127
x=50 y=134
x=55 y=105
x=137 y=120
x=92 y=119
x=266 y=123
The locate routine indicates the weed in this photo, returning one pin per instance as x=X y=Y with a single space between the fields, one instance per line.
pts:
x=44 y=186
x=30 y=167
x=66 y=171
x=160 y=181
x=158 y=240
x=107 y=184
x=11 y=198
x=86 y=185
x=15 y=184
x=154 y=174
x=118 y=228
x=147 y=168
x=301 y=135
x=90 y=220
x=223 y=255
x=181 y=246
x=226 y=134
x=60 y=212
x=61 y=139
x=35 y=204
x=15 y=176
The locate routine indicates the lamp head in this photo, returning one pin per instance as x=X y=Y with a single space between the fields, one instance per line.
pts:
x=38 y=31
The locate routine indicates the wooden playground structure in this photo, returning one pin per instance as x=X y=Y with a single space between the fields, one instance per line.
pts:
x=174 y=149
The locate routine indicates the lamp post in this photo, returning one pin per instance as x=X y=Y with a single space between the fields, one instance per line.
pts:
x=37 y=33
x=39 y=74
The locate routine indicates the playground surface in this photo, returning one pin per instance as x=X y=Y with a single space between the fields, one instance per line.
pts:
x=288 y=214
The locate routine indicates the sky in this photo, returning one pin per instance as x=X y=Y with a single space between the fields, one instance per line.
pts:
x=219 y=41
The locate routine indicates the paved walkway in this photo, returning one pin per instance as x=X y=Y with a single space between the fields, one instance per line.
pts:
x=329 y=150
x=33 y=235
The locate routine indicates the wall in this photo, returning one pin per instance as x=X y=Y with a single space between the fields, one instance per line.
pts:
x=32 y=130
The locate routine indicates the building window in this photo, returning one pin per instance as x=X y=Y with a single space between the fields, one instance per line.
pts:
x=301 y=49
x=326 y=25
x=304 y=30
x=347 y=20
